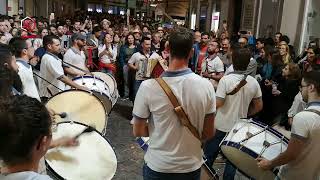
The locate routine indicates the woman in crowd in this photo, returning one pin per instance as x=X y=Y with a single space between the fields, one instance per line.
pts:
x=107 y=55
x=38 y=42
x=284 y=51
x=126 y=51
x=313 y=59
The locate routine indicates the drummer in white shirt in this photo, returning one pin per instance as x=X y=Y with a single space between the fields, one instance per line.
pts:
x=51 y=70
x=74 y=58
x=245 y=102
x=301 y=158
x=24 y=51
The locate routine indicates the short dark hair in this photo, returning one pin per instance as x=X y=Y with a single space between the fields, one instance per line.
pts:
x=96 y=29
x=205 y=33
x=285 y=38
x=48 y=39
x=145 y=38
x=261 y=40
x=24 y=120
x=241 y=58
x=180 y=42
x=279 y=33
x=17 y=45
x=313 y=77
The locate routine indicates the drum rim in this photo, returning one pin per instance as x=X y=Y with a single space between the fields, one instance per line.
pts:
x=245 y=150
x=271 y=129
x=142 y=144
x=87 y=76
x=114 y=80
x=105 y=110
x=94 y=129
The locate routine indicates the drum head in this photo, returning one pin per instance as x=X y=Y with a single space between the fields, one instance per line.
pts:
x=109 y=80
x=94 y=158
x=246 y=163
x=80 y=106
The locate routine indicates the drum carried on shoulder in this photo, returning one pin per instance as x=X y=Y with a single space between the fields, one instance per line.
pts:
x=249 y=140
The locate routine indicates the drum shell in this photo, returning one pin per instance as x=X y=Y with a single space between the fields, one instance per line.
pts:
x=80 y=106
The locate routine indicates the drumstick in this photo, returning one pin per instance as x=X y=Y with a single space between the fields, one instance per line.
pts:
x=88 y=129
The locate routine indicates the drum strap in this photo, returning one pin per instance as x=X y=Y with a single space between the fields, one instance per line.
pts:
x=239 y=86
x=178 y=109
x=314 y=111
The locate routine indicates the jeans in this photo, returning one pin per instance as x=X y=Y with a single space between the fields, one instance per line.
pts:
x=125 y=77
x=149 y=174
x=137 y=84
x=211 y=151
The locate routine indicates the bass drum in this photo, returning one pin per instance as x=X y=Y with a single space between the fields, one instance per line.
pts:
x=249 y=140
x=94 y=158
x=112 y=84
x=79 y=106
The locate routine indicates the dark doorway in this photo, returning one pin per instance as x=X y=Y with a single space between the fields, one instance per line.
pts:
x=237 y=15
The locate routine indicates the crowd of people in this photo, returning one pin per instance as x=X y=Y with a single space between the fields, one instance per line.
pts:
x=217 y=79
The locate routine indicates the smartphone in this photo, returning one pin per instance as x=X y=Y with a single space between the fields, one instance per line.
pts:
x=65 y=44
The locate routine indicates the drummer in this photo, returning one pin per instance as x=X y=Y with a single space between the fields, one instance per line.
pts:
x=75 y=59
x=25 y=137
x=300 y=160
x=51 y=70
x=244 y=102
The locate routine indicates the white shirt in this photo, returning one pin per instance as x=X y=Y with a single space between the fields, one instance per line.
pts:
x=144 y=64
x=214 y=65
x=173 y=148
x=76 y=58
x=235 y=106
x=105 y=58
x=26 y=75
x=306 y=127
x=25 y=175
x=50 y=69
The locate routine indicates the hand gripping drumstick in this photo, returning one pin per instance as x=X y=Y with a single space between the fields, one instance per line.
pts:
x=88 y=129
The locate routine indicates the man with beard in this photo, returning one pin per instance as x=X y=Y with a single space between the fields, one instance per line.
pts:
x=75 y=57
x=51 y=70
x=63 y=38
x=212 y=67
x=200 y=52
x=299 y=158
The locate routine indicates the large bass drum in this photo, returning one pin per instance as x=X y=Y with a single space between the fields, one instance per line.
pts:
x=80 y=106
x=93 y=159
x=249 y=140
x=112 y=84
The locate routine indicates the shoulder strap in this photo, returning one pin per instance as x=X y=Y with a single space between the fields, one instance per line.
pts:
x=239 y=86
x=182 y=116
x=314 y=111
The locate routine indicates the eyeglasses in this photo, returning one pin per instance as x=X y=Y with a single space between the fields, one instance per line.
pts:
x=302 y=86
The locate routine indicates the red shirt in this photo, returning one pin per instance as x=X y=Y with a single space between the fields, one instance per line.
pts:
x=202 y=55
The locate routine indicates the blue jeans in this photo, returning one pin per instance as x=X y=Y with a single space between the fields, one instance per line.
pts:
x=211 y=151
x=137 y=84
x=149 y=174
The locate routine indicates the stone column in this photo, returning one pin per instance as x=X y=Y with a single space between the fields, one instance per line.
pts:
x=198 y=15
x=209 y=15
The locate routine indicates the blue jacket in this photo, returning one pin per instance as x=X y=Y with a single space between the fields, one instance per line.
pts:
x=194 y=59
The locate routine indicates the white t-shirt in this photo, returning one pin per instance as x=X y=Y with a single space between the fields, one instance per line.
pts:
x=25 y=175
x=213 y=65
x=105 y=58
x=26 y=76
x=305 y=126
x=144 y=64
x=50 y=69
x=298 y=105
x=173 y=148
x=235 y=106
x=76 y=58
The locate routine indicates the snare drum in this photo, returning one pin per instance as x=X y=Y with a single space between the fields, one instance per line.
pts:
x=98 y=87
x=94 y=158
x=206 y=173
x=249 y=140
x=112 y=84
x=80 y=106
